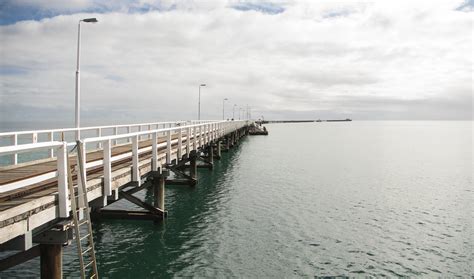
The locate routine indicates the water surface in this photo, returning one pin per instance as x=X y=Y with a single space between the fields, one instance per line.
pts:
x=358 y=198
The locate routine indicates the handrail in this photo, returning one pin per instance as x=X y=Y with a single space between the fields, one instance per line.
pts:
x=99 y=139
x=13 y=149
x=14 y=136
x=11 y=133
x=207 y=131
x=144 y=133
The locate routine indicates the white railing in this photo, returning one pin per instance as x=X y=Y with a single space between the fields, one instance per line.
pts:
x=60 y=173
x=70 y=134
x=194 y=133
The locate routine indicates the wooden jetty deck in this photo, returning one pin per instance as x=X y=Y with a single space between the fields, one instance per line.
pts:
x=35 y=204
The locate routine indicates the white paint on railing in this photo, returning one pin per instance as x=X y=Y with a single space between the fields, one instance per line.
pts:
x=198 y=133
x=188 y=140
x=63 y=189
x=81 y=171
x=107 y=168
x=180 y=143
x=61 y=172
x=34 y=134
x=50 y=139
x=154 y=151
x=168 y=147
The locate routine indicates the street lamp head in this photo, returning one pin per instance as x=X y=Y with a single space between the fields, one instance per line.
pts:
x=225 y=99
x=203 y=84
x=92 y=20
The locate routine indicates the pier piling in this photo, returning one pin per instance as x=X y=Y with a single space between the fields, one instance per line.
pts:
x=51 y=261
x=159 y=192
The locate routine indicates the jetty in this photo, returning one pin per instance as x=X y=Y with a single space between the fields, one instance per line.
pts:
x=304 y=121
x=57 y=180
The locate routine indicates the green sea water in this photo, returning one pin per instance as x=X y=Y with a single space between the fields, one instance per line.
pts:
x=353 y=199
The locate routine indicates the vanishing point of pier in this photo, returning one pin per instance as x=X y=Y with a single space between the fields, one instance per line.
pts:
x=49 y=198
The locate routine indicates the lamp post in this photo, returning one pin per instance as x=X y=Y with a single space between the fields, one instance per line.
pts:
x=223 y=108
x=199 y=102
x=233 y=111
x=78 y=84
x=240 y=109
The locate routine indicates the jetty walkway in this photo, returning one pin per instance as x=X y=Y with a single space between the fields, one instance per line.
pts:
x=38 y=168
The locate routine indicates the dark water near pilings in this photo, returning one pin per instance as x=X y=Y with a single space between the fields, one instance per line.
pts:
x=357 y=199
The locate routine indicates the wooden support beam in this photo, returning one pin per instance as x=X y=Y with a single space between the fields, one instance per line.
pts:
x=141 y=203
x=125 y=215
x=181 y=173
x=51 y=260
x=181 y=181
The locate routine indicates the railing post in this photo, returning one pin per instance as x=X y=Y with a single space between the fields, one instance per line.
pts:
x=214 y=130
x=149 y=129
x=194 y=138
x=99 y=134
x=180 y=143
x=115 y=133
x=135 y=169
x=201 y=140
x=154 y=151
x=51 y=138
x=211 y=132
x=107 y=169
x=63 y=193
x=81 y=151
x=203 y=134
x=129 y=129
x=14 y=140
x=188 y=140
x=168 y=147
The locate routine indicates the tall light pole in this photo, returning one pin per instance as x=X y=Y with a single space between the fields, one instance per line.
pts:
x=223 y=108
x=78 y=84
x=240 y=109
x=199 y=102
x=233 y=111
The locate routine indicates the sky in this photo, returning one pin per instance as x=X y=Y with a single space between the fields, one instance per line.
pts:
x=286 y=59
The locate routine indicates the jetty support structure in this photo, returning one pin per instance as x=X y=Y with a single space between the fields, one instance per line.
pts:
x=117 y=161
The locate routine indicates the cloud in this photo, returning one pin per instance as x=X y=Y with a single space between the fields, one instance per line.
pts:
x=343 y=58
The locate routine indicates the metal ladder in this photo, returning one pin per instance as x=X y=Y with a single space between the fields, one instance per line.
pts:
x=85 y=244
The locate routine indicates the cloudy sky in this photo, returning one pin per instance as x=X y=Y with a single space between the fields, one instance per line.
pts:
x=286 y=59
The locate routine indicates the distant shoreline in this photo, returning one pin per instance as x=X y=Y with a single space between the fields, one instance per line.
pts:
x=305 y=121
